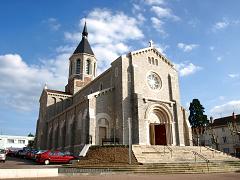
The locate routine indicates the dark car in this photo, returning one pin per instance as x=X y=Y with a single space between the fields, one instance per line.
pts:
x=53 y=157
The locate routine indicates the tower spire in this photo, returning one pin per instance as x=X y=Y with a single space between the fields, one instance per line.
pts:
x=85 y=33
x=84 y=46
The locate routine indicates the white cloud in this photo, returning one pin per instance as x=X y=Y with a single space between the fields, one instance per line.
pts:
x=187 y=47
x=185 y=69
x=233 y=76
x=52 y=23
x=154 y=2
x=158 y=25
x=164 y=13
x=109 y=34
x=226 y=109
x=221 y=25
x=21 y=83
x=224 y=23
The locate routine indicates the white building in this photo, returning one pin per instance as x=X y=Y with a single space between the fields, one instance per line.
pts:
x=14 y=142
x=222 y=137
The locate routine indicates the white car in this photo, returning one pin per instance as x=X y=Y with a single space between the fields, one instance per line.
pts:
x=2 y=155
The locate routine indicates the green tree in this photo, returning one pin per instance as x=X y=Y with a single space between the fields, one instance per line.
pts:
x=197 y=118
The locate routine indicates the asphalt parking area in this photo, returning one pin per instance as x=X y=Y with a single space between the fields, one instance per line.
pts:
x=19 y=163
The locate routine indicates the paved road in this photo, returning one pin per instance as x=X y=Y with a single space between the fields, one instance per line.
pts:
x=18 y=163
x=229 y=176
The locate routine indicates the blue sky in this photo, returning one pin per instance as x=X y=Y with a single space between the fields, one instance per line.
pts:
x=37 y=37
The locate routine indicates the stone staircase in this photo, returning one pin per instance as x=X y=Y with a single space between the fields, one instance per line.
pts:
x=160 y=168
x=170 y=154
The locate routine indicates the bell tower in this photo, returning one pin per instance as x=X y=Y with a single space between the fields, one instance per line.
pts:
x=82 y=65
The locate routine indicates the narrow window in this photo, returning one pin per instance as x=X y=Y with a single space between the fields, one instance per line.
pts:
x=116 y=72
x=156 y=62
x=153 y=61
x=94 y=69
x=88 y=67
x=101 y=87
x=78 y=65
x=149 y=60
x=70 y=68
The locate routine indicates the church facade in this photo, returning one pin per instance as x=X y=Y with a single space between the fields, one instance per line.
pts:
x=140 y=88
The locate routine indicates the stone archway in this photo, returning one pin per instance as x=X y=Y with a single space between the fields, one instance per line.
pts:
x=159 y=125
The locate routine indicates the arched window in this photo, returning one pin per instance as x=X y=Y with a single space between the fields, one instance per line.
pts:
x=153 y=61
x=70 y=68
x=78 y=66
x=156 y=62
x=149 y=60
x=88 y=67
x=101 y=87
x=94 y=69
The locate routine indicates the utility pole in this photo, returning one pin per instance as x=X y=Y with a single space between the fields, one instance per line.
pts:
x=129 y=141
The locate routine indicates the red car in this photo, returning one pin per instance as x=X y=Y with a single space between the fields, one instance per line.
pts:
x=48 y=157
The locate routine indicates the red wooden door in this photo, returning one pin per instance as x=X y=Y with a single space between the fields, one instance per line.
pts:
x=160 y=134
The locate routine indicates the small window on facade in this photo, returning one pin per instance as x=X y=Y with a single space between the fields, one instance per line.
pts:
x=88 y=67
x=153 y=61
x=21 y=141
x=94 y=69
x=224 y=139
x=149 y=60
x=101 y=87
x=129 y=77
x=10 y=141
x=78 y=66
x=116 y=72
x=156 y=62
x=226 y=150
x=70 y=68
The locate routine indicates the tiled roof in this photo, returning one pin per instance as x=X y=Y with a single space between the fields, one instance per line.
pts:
x=224 y=120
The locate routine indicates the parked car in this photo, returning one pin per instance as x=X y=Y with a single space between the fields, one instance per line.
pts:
x=2 y=155
x=48 y=157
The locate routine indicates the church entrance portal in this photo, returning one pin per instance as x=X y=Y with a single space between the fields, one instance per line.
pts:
x=158 y=134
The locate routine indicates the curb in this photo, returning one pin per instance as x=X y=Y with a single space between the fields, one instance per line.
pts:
x=28 y=173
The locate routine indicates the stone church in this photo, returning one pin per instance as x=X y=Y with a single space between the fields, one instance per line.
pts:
x=140 y=89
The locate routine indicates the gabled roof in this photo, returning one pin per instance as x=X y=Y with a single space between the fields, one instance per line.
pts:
x=84 y=46
x=225 y=120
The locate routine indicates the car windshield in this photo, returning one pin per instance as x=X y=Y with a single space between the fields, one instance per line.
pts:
x=2 y=151
x=41 y=151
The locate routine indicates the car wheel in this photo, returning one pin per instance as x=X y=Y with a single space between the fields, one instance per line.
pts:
x=46 y=162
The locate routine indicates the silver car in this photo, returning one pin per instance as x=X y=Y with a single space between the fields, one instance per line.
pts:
x=2 y=155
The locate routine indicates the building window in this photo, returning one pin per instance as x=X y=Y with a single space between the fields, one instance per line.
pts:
x=153 y=61
x=78 y=66
x=156 y=62
x=21 y=141
x=224 y=139
x=88 y=67
x=226 y=150
x=10 y=140
x=223 y=129
x=70 y=68
x=116 y=72
x=149 y=60
x=101 y=87
x=94 y=69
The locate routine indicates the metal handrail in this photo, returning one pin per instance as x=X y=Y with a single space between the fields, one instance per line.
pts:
x=170 y=149
x=213 y=151
x=202 y=157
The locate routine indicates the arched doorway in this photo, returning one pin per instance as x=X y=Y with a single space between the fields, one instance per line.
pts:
x=159 y=126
